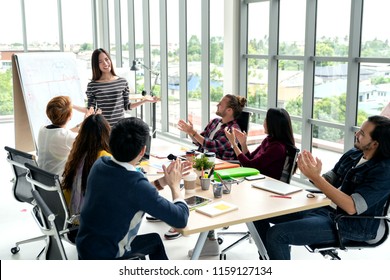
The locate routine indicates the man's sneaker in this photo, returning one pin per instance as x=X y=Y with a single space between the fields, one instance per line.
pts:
x=152 y=219
x=172 y=234
x=210 y=248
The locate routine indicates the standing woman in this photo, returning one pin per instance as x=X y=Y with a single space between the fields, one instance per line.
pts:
x=269 y=157
x=109 y=92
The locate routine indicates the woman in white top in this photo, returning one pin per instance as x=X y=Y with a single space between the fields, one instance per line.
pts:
x=55 y=140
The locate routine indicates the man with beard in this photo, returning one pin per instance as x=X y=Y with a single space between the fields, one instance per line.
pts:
x=213 y=138
x=357 y=185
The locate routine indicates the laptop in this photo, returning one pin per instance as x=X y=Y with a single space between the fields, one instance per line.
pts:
x=277 y=187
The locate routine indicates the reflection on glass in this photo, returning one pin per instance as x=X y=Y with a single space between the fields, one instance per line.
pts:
x=155 y=55
x=328 y=138
x=333 y=27
x=292 y=27
x=42 y=30
x=257 y=83
x=374 y=90
x=256 y=132
x=375 y=30
x=139 y=44
x=290 y=86
x=111 y=17
x=194 y=66
x=330 y=92
x=11 y=36
x=173 y=65
x=216 y=50
x=125 y=34
x=258 y=28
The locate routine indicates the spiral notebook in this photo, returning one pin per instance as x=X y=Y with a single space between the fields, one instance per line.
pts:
x=216 y=208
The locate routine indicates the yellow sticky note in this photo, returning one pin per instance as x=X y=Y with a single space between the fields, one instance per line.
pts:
x=222 y=207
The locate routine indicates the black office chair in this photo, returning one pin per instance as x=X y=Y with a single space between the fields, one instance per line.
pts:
x=289 y=168
x=21 y=188
x=48 y=186
x=331 y=250
x=49 y=227
x=243 y=120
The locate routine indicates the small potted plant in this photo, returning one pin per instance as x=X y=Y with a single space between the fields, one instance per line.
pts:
x=201 y=165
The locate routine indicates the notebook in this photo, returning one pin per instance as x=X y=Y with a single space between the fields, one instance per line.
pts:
x=236 y=172
x=276 y=187
x=216 y=208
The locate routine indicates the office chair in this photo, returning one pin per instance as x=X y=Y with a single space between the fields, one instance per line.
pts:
x=243 y=120
x=59 y=227
x=49 y=228
x=21 y=188
x=48 y=186
x=331 y=250
x=289 y=168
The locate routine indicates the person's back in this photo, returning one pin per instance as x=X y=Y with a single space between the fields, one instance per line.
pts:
x=90 y=144
x=55 y=140
x=118 y=196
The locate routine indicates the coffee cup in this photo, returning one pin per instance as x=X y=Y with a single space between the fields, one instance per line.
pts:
x=189 y=183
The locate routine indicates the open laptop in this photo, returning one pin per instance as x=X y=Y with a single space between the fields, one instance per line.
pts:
x=275 y=186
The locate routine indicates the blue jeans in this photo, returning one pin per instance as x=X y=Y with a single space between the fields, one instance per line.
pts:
x=302 y=228
x=149 y=244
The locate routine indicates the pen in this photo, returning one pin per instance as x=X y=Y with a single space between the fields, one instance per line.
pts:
x=281 y=196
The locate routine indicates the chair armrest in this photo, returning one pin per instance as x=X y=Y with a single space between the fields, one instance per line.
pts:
x=343 y=216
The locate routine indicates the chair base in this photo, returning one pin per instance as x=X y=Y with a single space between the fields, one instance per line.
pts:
x=246 y=235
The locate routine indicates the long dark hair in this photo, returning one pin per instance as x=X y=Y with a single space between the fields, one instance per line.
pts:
x=279 y=126
x=96 y=72
x=93 y=137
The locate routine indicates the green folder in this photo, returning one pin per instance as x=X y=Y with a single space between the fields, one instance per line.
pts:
x=235 y=173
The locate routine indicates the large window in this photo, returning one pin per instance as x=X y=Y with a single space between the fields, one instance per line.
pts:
x=332 y=66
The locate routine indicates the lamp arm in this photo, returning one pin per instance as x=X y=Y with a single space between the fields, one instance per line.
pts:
x=147 y=68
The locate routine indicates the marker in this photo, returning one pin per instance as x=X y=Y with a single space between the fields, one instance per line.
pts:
x=281 y=196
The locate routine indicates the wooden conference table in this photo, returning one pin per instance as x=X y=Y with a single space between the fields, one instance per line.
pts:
x=253 y=204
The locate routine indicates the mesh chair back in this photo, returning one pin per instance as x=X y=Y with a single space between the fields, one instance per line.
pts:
x=289 y=164
x=48 y=186
x=17 y=159
x=54 y=249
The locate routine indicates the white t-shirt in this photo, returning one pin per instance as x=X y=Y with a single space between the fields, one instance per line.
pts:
x=54 y=145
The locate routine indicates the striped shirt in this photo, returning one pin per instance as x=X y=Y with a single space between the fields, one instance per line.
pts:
x=111 y=97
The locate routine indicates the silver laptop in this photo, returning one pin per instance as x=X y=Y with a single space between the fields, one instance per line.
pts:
x=276 y=187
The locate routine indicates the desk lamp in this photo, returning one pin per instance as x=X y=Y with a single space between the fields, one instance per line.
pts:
x=134 y=67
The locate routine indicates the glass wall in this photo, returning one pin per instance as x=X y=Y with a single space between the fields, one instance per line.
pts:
x=332 y=66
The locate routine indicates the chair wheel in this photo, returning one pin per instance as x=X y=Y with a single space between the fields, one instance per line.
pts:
x=220 y=240
x=222 y=257
x=15 y=250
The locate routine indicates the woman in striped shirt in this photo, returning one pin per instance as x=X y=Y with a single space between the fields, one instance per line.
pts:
x=109 y=92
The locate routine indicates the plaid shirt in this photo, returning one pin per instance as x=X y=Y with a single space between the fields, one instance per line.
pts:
x=219 y=144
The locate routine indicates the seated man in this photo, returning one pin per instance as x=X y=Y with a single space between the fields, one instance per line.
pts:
x=357 y=185
x=213 y=139
x=118 y=197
